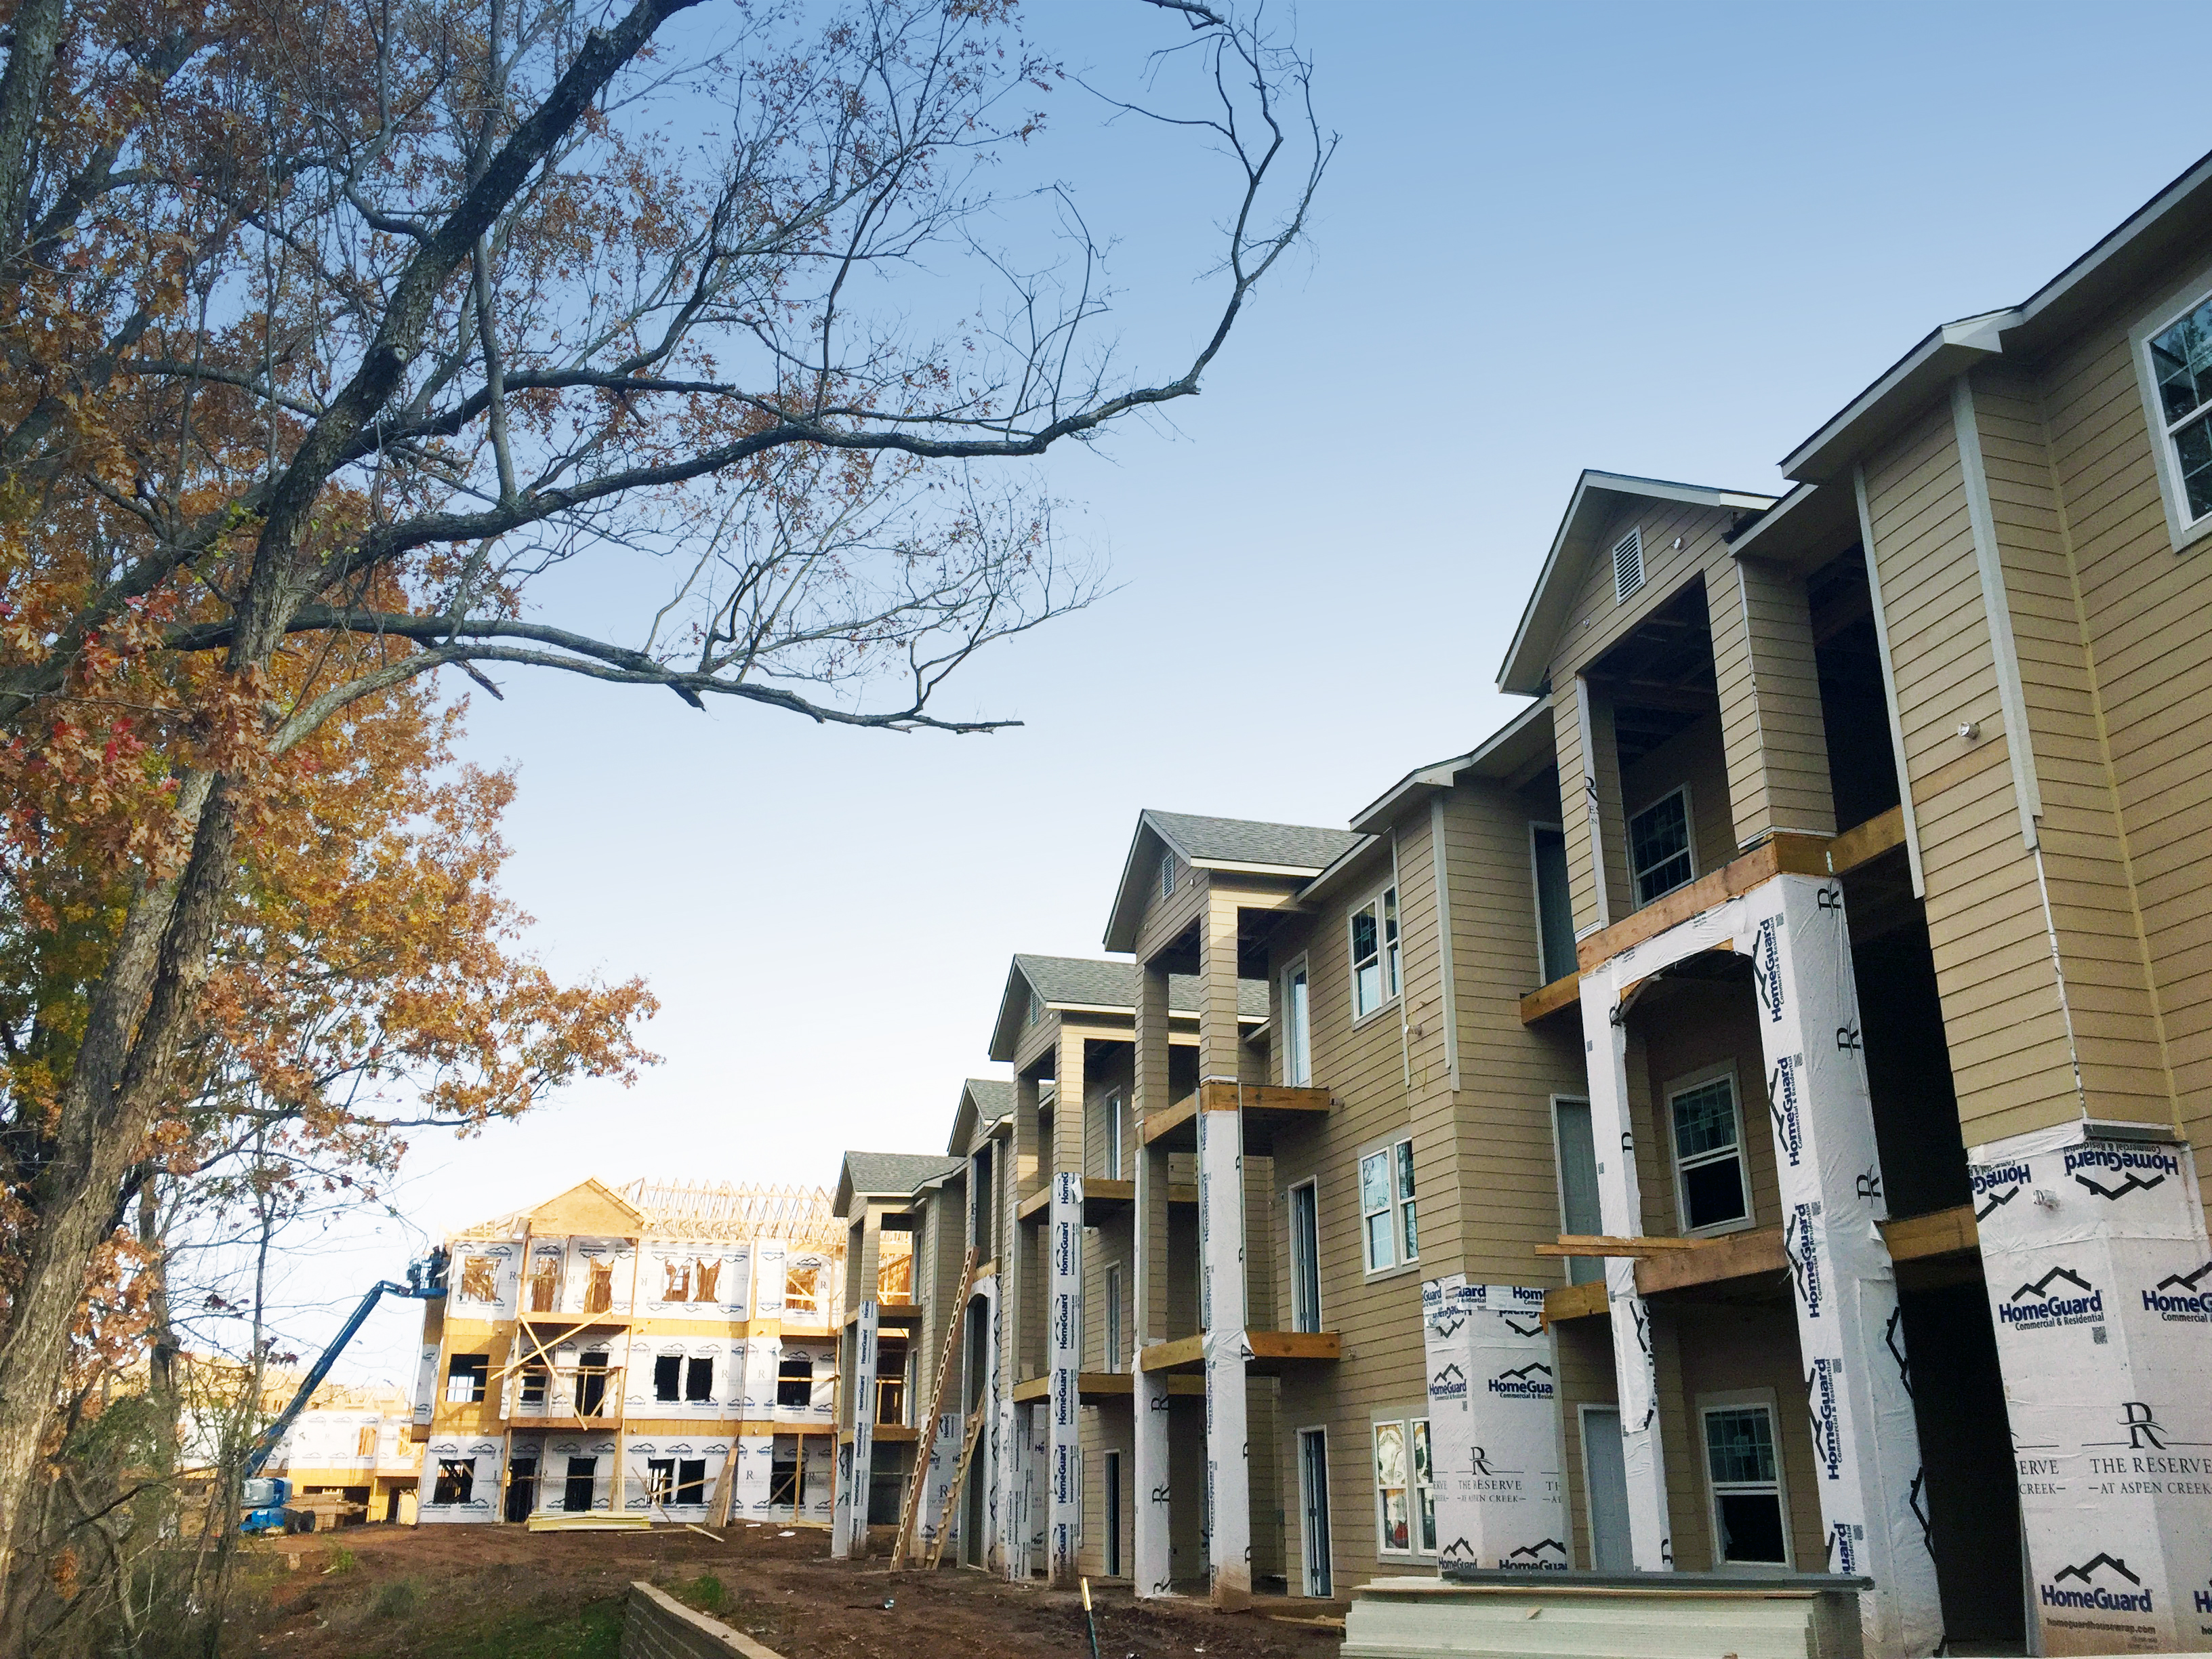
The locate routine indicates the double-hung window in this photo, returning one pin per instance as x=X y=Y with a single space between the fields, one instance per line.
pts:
x=2177 y=362
x=1298 y=1027
x=1712 y=1190
x=1374 y=953
x=466 y=1378
x=1405 y=1495
x=1743 y=1474
x=794 y=1380
x=1385 y=1206
x=1659 y=846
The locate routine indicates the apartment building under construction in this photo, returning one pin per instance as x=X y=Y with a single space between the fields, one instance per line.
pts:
x=662 y=1351
x=1736 y=1117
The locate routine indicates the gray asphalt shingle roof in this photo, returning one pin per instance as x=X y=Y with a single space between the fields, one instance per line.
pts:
x=1242 y=841
x=994 y=1097
x=896 y=1172
x=1097 y=984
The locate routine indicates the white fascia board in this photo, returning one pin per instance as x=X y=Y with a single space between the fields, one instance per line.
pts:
x=1376 y=816
x=1939 y=358
x=1235 y=867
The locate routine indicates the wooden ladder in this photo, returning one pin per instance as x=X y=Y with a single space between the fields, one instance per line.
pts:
x=910 y=1511
x=952 y=1492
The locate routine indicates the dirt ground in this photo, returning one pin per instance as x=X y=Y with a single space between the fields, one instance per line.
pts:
x=503 y=1593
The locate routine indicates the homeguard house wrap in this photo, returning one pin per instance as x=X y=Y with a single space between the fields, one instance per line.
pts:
x=662 y=1352
x=1736 y=1119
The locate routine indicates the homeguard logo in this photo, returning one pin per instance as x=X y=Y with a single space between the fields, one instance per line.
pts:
x=1783 y=1105
x=1549 y=1555
x=1994 y=1185
x=1802 y=1247
x=1827 y=1426
x=1449 y=1383
x=2182 y=1298
x=2093 y=1596
x=1844 y=1542
x=2038 y=1306
x=1523 y=1383
x=2120 y=1171
x=1766 y=967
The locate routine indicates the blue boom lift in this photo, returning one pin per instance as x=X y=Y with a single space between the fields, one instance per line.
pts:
x=262 y=1498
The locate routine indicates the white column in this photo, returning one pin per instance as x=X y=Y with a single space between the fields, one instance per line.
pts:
x=1221 y=1315
x=1850 y=1337
x=752 y=1465
x=1153 y=1566
x=2100 y=1289
x=1494 y=1425
x=1064 y=1519
x=849 y=1533
x=1620 y=1206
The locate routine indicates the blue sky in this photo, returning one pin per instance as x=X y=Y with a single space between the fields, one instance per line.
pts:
x=1666 y=241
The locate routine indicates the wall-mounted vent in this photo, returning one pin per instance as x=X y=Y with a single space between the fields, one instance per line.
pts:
x=1627 y=565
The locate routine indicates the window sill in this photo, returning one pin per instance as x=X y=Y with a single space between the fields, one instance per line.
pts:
x=1379 y=1274
x=2190 y=537
x=1369 y=1018
x=1722 y=1229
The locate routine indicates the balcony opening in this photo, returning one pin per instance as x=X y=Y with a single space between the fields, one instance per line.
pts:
x=1861 y=762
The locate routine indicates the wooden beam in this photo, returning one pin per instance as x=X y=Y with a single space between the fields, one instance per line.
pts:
x=1550 y=998
x=1316 y=1345
x=1914 y=1237
x=1574 y=1302
x=1035 y=1205
x=1713 y=1261
x=1605 y=1244
x=1863 y=843
x=1261 y=1097
x=1166 y=1356
x=1785 y=853
x=1157 y=1124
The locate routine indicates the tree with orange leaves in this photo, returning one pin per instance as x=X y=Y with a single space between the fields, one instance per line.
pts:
x=330 y=326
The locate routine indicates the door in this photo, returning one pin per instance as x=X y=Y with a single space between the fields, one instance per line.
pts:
x=1298 y=1027
x=1605 y=1488
x=1113 y=1515
x=591 y=1384
x=1313 y=1499
x=1305 y=1258
x=576 y=1489
x=1579 y=1201
x=1555 y=910
x=521 y=1488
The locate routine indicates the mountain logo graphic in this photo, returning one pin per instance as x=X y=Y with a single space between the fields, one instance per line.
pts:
x=2081 y=1574
x=2061 y=1297
x=2187 y=1281
x=2042 y=1286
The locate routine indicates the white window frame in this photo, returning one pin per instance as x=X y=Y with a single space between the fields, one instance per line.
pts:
x=1113 y=1131
x=1305 y=1501
x=1312 y=1184
x=1689 y=842
x=1405 y=1421
x=1389 y=957
x=2182 y=530
x=1404 y=1202
x=1298 y=1026
x=1112 y=1334
x=1743 y=1399
x=475 y=1387
x=1682 y=1085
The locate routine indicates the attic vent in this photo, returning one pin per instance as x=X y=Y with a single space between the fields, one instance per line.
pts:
x=1628 y=565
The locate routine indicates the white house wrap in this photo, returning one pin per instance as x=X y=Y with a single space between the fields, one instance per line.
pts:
x=1866 y=1442
x=1493 y=1425
x=1152 y=1568
x=1221 y=1313
x=1064 y=1499
x=849 y=1527
x=2100 y=1291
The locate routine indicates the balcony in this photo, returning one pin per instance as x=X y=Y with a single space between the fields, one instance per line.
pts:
x=1265 y=1108
x=1273 y=1353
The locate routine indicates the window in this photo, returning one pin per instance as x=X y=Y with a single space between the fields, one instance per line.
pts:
x=1627 y=565
x=1709 y=1189
x=1405 y=1495
x=801 y=1286
x=2179 y=367
x=599 y=1293
x=659 y=1480
x=667 y=1374
x=698 y=1379
x=1750 y=1525
x=1305 y=1257
x=456 y=1482
x=794 y=1380
x=366 y=1445
x=1385 y=1206
x=1114 y=1317
x=591 y=1373
x=1555 y=905
x=691 y=1481
x=1298 y=1027
x=1659 y=846
x=545 y=1284
x=1374 y=953
x=1114 y=1129
x=782 y=1476
x=1167 y=874
x=678 y=1287
x=706 y=1277
x=578 y=1486
x=466 y=1374
x=533 y=1385
x=479 y=1278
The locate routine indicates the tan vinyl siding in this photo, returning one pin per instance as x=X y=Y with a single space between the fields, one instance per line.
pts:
x=1693 y=755
x=1775 y=736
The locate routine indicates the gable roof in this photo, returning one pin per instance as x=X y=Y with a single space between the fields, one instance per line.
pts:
x=877 y=1174
x=1068 y=983
x=1300 y=850
x=1524 y=739
x=1574 y=548
x=983 y=1102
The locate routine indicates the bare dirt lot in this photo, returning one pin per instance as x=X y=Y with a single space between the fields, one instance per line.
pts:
x=503 y=1593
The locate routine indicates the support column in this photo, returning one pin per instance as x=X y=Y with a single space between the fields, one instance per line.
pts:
x=2099 y=1281
x=1015 y=1266
x=1850 y=1337
x=1620 y=1206
x=1153 y=1552
x=1221 y=1259
x=849 y=1538
x=1494 y=1430
x=1064 y=1486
